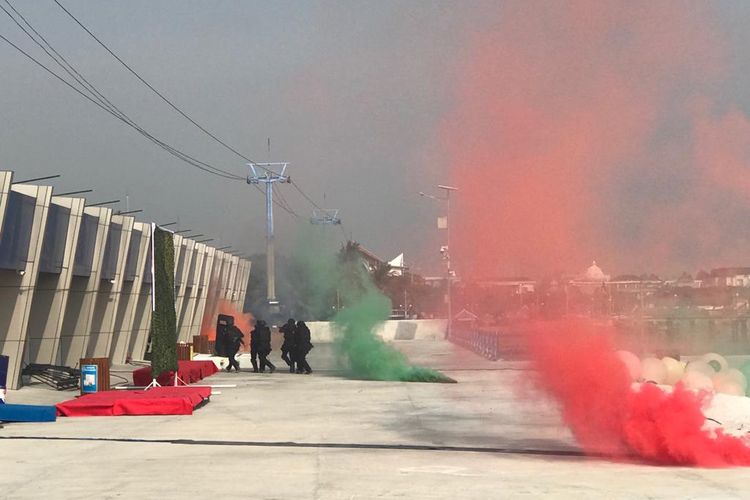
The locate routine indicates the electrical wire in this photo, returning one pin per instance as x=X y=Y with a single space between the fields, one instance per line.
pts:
x=102 y=102
x=276 y=202
x=281 y=203
x=77 y=76
x=99 y=99
x=282 y=199
x=305 y=195
x=182 y=156
x=163 y=98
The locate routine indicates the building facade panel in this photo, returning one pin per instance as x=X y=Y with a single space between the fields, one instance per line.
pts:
x=141 y=324
x=19 y=272
x=200 y=305
x=194 y=283
x=182 y=280
x=131 y=288
x=53 y=283
x=84 y=286
x=110 y=286
x=5 y=179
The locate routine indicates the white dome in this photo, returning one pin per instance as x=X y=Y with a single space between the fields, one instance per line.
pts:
x=595 y=273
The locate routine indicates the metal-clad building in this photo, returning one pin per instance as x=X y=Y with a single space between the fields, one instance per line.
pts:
x=75 y=281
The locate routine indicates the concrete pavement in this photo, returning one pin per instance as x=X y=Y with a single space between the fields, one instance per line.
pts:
x=322 y=436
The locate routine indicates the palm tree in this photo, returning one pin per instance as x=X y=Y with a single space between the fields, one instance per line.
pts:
x=350 y=251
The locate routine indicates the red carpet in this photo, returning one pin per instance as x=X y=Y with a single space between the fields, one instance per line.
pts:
x=188 y=371
x=156 y=401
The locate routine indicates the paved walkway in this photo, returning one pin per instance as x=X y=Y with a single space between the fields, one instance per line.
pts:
x=323 y=436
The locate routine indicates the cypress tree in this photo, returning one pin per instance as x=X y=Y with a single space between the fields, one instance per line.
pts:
x=164 y=317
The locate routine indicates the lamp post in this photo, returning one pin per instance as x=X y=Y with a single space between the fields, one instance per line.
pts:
x=445 y=250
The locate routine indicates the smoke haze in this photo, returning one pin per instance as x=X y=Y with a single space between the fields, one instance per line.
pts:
x=598 y=130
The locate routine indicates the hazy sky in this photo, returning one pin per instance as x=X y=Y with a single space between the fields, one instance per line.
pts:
x=352 y=93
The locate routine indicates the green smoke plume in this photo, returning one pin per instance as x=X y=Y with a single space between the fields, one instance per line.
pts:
x=342 y=280
x=368 y=356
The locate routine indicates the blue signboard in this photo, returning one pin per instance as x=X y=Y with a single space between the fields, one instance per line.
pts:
x=3 y=376
x=89 y=378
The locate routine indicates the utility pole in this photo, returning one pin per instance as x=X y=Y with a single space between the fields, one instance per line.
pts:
x=327 y=217
x=445 y=250
x=269 y=174
x=448 y=190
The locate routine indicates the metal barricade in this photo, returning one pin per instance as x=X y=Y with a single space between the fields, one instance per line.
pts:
x=485 y=343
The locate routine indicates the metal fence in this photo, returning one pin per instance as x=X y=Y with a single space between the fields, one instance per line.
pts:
x=501 y=342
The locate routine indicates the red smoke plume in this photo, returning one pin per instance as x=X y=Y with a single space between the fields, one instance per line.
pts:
x=577 y=365
x=597 y=129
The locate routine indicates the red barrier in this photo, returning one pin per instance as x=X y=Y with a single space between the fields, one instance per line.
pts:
x=156 y=401
x=188 y=371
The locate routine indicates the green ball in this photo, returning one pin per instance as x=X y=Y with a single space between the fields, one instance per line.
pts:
x=715 y=365
x=745 y=369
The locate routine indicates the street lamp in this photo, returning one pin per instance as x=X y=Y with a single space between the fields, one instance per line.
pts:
x=445 y=250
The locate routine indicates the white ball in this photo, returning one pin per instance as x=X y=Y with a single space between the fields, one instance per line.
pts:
x=697 y=381
x=726 y=386
x=737 y=377
x=718 y=358
x=675 y=370
x=653 y=370
x=632 y=364
x=702 y=367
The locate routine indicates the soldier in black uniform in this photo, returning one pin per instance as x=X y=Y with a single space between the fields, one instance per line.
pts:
x=254 y=342
x=302 y=346
x=287 y=348
x=264 y=347
x=233 y=340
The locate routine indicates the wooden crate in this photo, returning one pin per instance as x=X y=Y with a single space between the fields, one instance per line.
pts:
x=184 y=351
x=102 y=376
x=200 y=344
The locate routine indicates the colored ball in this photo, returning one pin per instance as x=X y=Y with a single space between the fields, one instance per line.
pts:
x=745 y=369
x=675 y=370
x=632 y=364
x=697 y=381
x=737 y=377
x=716 y=361
x=700 y=367
x=725 y=386
x=653 y=370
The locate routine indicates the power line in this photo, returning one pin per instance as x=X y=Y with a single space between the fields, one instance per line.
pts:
x=275 y=202
x=282 y=200
x=99 y=99
x=105 y=105
x=72 y=71
x=163 y=98
x=305 y=195
x=282 y=203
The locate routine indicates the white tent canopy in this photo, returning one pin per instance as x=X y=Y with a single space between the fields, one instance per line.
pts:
x=397 y=266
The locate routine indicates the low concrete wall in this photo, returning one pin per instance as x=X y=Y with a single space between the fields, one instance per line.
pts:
x=391 y=330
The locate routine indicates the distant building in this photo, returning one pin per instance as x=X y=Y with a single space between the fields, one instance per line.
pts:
x=590 y=280
x=517 y=285
x=595 y=273
x=730 y=276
